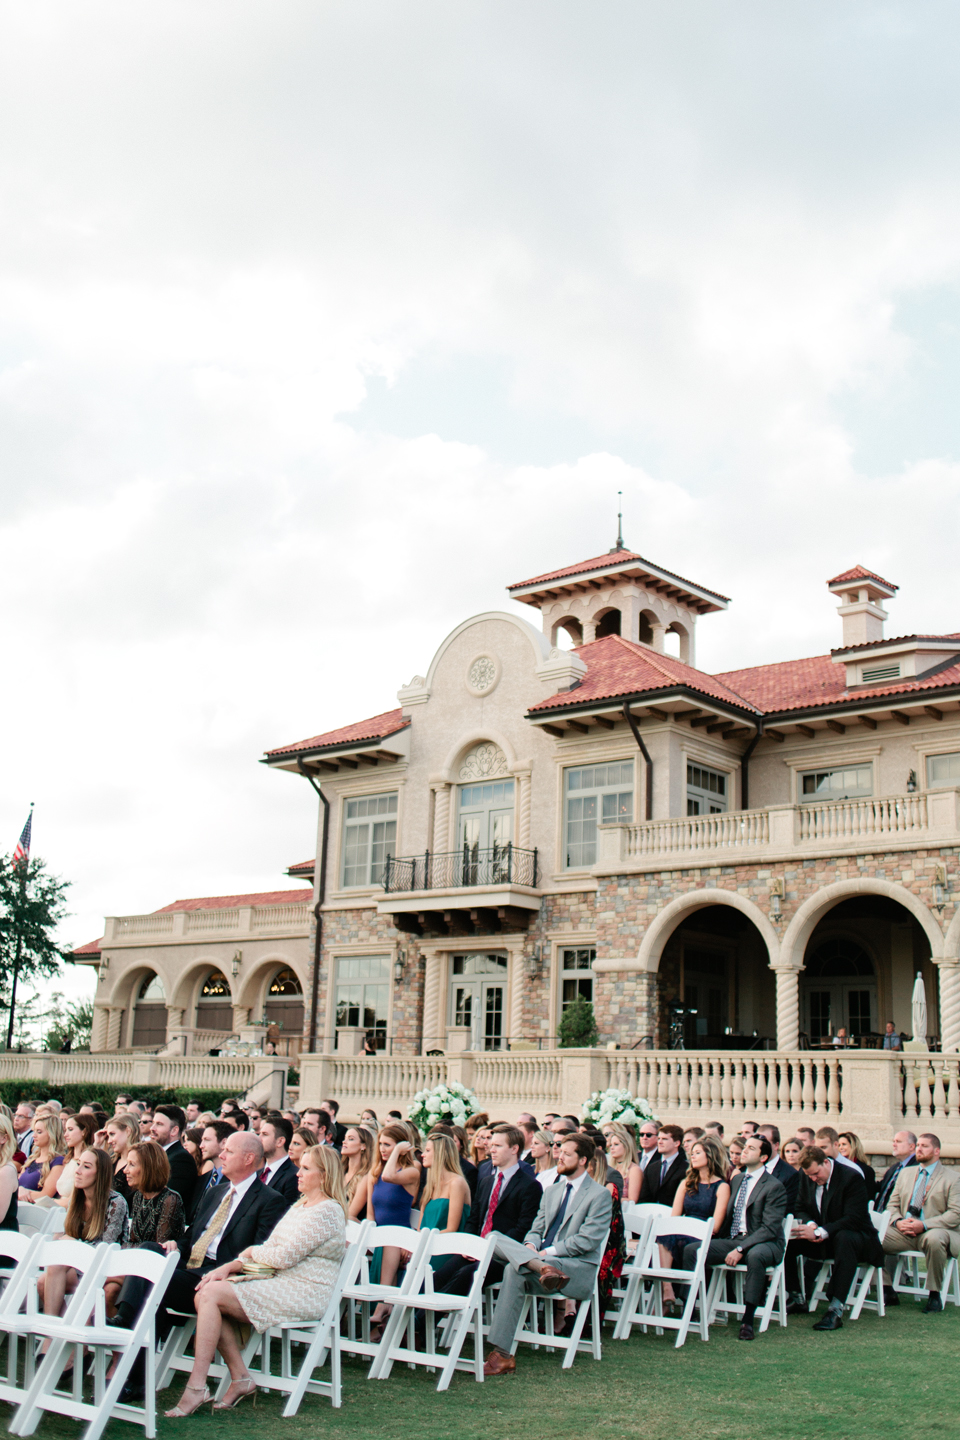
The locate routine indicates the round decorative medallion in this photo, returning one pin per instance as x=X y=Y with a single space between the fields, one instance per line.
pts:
x=483 y=672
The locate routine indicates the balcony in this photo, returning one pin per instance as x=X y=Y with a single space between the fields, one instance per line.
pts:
x=783 y=832
x=462 y=891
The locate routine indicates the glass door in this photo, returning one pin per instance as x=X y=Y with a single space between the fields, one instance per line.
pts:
x=485 y=831
x=492 y=999
x=478 y=998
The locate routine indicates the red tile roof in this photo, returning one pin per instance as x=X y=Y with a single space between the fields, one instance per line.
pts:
x=378 y=727
x=819 y=681
x=894 y=640
x=860 y=573
x=303 y=867
x=230 y=902
x=616 y=666
x=92 y=947
x=607 y=562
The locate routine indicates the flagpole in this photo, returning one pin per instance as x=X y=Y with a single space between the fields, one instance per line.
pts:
x=19 y=955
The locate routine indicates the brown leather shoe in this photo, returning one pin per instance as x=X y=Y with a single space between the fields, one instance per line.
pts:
x=499 y=1364
x=552 y=1279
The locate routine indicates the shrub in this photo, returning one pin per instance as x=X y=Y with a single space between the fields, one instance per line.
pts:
x=13 y=1091
x=578 y=1027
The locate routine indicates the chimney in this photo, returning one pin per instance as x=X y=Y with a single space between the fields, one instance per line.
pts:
x=860 y=592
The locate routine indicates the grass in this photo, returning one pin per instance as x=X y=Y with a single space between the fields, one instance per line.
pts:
x=895 y=1377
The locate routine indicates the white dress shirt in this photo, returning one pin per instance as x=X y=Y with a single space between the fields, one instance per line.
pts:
x=238 y=1193
x=750 y=1178
x=565 y=1180
x=272 y=1167
x=646 y=1156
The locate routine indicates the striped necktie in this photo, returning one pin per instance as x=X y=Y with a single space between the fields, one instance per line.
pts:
x=217 y=1222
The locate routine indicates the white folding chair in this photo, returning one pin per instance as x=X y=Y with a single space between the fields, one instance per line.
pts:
x=361 y=1294
x=529 y=1332
x=16 y=1247
x=643 y=1309
x=910 y=1277
x=463 y=1312
x=104 y=1340
x=637 y=1220
x=21 y=1319
x=864 y=1277
x=318 y=1337
x=39 y=1220
x=719 y=1306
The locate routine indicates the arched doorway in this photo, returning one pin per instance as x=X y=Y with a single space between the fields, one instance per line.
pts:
x=215 y=1004
x=838 y=988
x=717 y=991
x=283 y=1009
x=150 y=1013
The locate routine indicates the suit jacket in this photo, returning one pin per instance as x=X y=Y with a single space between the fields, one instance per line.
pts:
x=766 y=1209
x=284 y=1182
x=844 y=1205
x=890 y=1177
x=250 y=1224
x=651 y=1190
x=941 y=1208
x=789 y=1179
x=199 y=1190
x=583 y=1233
x=470 y=1175
x=183 y=1173
x=516 y=1209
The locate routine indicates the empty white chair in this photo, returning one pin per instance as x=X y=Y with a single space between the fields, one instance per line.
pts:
x=910 y=1277
x=718 y=1305
x=41 y=1220
x=864 y=1277
x=643 y=1309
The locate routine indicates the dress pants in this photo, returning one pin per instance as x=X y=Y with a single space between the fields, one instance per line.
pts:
x=936 y=1243
x=455 y=1275
x=757 y=1258
x=519 y=1281
x=178 y=1296
x=846 y=1248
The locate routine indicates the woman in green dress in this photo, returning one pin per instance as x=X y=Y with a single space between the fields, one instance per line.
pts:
x=446 y=1195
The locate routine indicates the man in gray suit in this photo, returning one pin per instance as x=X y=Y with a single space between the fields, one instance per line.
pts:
x=562 y=1251
x=752 y=1228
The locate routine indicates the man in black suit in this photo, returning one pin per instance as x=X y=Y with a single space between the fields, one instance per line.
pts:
x=904 y=1148
x=752 y=1228
x=279 y=1172
x=335 y=1130
x=833 y=1223
x=778 y=1167
x=169 y=1123
x=665 y=1172
x=508 y=1199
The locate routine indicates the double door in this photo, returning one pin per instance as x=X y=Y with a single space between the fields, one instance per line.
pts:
x=485 y=831
x=827 y=1007
x=478 y=989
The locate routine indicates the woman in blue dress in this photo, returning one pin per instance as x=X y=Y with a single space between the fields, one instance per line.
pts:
x=704 y=1193
x=396 y=1179
x=446 y=1195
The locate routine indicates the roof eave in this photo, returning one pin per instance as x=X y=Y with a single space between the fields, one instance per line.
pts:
x=896 y=700
x=615 y=703
x=345 y=747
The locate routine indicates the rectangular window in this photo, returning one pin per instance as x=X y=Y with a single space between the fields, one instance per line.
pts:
x=706 y=791
x=369 y=836
x=576 y=976
x=842 y=784
x=594 y=794
x=943 y=769
x=362 y=994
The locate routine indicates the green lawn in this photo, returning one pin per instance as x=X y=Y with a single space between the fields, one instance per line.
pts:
x=897 y=1377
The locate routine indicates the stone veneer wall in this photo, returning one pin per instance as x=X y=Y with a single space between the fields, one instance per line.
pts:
x=365 y=927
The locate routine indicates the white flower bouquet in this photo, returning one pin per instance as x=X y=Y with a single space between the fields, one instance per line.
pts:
x=605 y=1106
x=450 y=1104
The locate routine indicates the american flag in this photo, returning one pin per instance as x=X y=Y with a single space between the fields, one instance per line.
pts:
x=22 y=851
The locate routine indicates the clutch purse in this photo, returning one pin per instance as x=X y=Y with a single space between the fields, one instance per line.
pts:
x=254 y=1270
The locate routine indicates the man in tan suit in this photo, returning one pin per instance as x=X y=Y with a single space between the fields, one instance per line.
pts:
x=925 y=1215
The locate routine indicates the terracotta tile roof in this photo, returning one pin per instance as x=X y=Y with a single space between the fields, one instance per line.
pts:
x=894 y=640
x=820 y=682
x=860 y=573
x=607 y=562
x=378 y=727
x=303 y=867
x=230 y=902
x=92 y=947
x=616 y=666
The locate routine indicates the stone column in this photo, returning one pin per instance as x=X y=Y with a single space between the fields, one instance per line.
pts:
x=114 y=1026
x=788 y=1007
x=101 y=1027
x=589 y=631
x=949 y=974
x=658 y=642
x=522 y=778
x=433 y=1029
x=441 y=819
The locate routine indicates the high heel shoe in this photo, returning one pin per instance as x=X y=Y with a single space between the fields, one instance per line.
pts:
x=178 y=1412
x=226 y=1404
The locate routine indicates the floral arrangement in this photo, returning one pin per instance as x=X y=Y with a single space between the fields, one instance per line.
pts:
x=605 y=1106
x=451 y=1104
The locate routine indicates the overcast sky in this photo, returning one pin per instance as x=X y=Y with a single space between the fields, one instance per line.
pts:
x=321 y=323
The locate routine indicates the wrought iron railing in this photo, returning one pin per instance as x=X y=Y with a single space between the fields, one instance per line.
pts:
x=498 y=865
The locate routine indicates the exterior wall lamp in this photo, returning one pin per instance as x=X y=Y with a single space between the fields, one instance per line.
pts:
x=912 y=782
x=940 y=887
x=398 y=965
x=235 y=963
x=776 y=899
x=534 y=960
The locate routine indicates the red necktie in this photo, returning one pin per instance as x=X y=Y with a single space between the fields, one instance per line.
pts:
x=494 y=1202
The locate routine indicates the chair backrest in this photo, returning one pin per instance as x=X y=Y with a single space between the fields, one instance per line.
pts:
x=400 y=1235
x=352 y=1230
x=881 y=1222
x=636 y=1216
x=40 y=1219
x=698 y=1231
x=90 y=1261
x=18 y=1246
x=453 y=1242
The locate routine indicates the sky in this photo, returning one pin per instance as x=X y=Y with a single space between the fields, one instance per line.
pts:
x=321 y=323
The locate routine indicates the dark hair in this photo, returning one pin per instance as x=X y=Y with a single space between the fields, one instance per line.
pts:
x=280 y=1126
x=811 y=1155
x=512 y=1134
x=333 y=1106
x=154 y=1167
x=674 y=1132
x=174 y=1114
x=240 y=1116
x=773 y=1134
x=695 y=1131
x=766 y=1149
x=585 y=1146
x=934 y=1141
x=88 y=1125
x=194 y=1135
x=714 y=1125
x=221 y=1129
x=76 y=1226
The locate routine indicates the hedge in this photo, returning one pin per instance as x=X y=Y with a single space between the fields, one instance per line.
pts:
x=13 y=1091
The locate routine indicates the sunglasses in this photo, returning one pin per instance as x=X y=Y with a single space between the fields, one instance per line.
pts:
x=649 y=1134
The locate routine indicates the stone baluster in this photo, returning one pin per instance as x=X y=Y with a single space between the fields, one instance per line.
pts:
x=833 y=1089
x=749 y=1087
x=673 y=1093
x=783 y=1090
x=726 y=1089
x=684 y=1088
x=761 y=1092
x=738 y=1101
x=820 y=1098
x=663 y=1085
x=715 y=1089
x=939 y=1093
x=796 y=1086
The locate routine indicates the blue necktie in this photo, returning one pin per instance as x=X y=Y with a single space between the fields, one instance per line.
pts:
x=557 y=1220
x=917 y=1196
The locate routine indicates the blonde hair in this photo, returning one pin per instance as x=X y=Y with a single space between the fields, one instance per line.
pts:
x=129 y=1123
x=628 y=1143
x=8 y=1141
x=54 y=1128
x=329 y=1164
x=444 y=1150
x=856 y=1146
x=544 y=1162
x=367 y=1159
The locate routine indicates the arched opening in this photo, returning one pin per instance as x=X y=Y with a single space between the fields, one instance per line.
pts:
x=283 y=1009
x=608 y=624
x=150 y=1013
x=215 y=1003
x=567 y=633
x=717 y=991
x=677 y=641
x=859 y=969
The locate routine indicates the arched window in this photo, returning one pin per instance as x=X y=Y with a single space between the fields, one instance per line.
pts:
x=836 y=959
x=152 y=989
x=215 y=1003
x=285 y=983
x=284 y=1009
x=150 y=1013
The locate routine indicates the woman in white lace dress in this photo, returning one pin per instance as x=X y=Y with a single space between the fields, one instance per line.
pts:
x=304 y=1249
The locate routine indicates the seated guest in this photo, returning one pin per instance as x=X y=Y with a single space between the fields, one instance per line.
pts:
x=694 y=1132
x=191 y=1143
x=788 y=1175
x=78 y=1133
x=301 y=1141
x=751 y=1231
x=806 y=1136
x=615 y=1251
x=664 y=1175
x=842 y=1039
x=528 y=1125
x=647 y=1142
x=507 y=1201
x=9 y=1179
x=446 y=1196
x=735 y=1154
x=831 y=1222
x=850 y=1147
x=703 y=1195
x=369 y=1118
x=304 y=1251
x=358 y=1154
x=828 y=1140
x=167 y=1126
x=904 y=1148
x=45 y=1162
x=396 y=1180
x=891 y=1040
x=561 y=1252
x=622 y=1155
x=713 y=1127
x=156 y=1211
x=541 y=1150
x=279 y=1171
x=120 y=1133
x=95 y=1212
x=925 y=1215
x=212 y=1138
x=478 y=1148
x=470 y=1173
x=791 y=1152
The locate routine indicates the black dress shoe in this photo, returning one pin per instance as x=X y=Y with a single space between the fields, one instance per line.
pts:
x=132 y=1394
x=890 y=1296
x=746 y=1332
x=830 y=1321
x=933 y=1306
x=796 y=1305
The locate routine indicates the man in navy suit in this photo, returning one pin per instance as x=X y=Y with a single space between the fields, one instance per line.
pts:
x=508 y=1199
